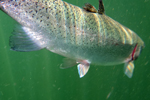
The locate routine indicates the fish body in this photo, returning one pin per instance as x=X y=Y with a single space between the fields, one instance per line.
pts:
x=85 y=37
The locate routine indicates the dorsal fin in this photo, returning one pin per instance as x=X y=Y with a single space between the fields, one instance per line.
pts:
x=101 y=9
x=88 y=7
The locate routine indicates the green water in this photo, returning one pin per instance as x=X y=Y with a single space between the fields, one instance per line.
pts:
x=37 y=76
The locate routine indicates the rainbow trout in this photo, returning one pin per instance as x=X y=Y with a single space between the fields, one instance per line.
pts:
x=84 y=36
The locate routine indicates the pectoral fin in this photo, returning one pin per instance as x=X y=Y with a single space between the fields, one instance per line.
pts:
x=129 y=68
x=83 y=69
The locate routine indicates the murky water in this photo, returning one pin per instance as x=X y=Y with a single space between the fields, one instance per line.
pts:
x=37 y=76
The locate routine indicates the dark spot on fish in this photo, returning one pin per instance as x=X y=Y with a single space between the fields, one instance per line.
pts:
x=36 y=3
x=47 y=17
x=40 y=20
x=116 y=44
x=55 y=7
x=45 y=3
x=31 y=11
x=15 y=5
x=46 y=10
x=28 y=3
x=72 y=14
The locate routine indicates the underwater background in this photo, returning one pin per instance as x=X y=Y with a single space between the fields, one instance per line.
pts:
x=36 y=75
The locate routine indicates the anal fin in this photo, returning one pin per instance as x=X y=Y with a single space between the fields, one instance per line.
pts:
x=129 y=68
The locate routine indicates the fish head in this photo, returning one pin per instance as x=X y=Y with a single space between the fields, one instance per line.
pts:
x=137 y=50
x=129 y=65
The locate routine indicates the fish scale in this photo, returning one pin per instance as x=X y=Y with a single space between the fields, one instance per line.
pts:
x=79 y=34
x=62 y=17
x=74 y=38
